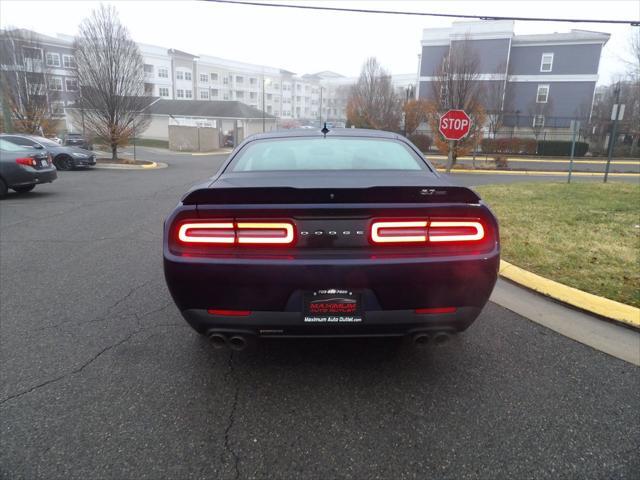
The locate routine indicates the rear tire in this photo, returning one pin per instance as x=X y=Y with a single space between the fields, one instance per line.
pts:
x=63 y=162
x=24 y=189
x=3 y=188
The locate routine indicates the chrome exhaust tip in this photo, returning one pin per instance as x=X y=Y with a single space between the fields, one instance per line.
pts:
x=441 y=338
x=237 y=343
x=218 y=340
x=421 y=339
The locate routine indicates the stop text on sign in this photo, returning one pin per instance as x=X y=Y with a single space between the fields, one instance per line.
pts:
x=455 y=124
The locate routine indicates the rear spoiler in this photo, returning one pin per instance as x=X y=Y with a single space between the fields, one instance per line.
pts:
x=290 y=195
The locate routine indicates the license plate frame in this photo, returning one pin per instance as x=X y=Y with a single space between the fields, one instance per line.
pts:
x=332 y=306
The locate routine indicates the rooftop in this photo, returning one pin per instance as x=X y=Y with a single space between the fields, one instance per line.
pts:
x=206 y=108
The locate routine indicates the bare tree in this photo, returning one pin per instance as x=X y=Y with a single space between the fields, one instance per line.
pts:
x=495 y=102
x=111 y=77
x=416 y=112
x=538 y=113
x=456 y=85
x=373 y=102
x=27 y=89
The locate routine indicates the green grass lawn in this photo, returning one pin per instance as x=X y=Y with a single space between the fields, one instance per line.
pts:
x=586 y=235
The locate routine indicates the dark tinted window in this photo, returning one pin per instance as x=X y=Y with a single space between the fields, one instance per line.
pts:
x=19 y=140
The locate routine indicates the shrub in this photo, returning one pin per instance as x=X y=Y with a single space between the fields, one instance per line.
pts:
x=561 y=147
x=509 y=145
x=423 y=142
x=501 y=161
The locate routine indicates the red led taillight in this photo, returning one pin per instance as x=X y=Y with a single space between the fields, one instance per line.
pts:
x=264 y=233
x=455 y=231
x=236 y=233
x=229 y=313
x=30 y=162
x=433 y=311
x=399 y=231
x=211 y=233
x=438 y=230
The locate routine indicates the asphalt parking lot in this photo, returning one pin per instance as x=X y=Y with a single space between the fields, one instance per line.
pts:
x=102 y=378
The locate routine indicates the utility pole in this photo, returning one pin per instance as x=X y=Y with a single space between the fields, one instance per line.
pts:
x=575 y=126
x=616 y=114
x=320 y=105
x=263 y=106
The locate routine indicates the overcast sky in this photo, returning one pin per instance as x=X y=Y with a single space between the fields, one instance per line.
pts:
x=306 y=41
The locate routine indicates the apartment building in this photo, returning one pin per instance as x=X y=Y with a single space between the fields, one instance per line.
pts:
x=46 y=62
x=177 y=75
x=548 y=79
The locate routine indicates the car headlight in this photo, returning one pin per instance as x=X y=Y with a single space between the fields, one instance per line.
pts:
x=79 y=155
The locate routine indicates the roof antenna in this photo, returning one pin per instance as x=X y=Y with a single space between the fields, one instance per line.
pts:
x=325 y=130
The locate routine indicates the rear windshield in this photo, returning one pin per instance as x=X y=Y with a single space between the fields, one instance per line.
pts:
x=294 y=154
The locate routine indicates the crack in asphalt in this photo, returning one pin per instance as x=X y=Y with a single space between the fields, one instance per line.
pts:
x=101 y=318
x=231 y=420
x=87 y=363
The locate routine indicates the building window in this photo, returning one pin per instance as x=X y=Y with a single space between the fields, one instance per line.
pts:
x=53 y=59
x=214 y=92
x=57 y=108
x=538 y=121
x=546 y=63
x=253 y=95
x=68 y=61
x=55 y=83
x=204 y=78
x=543 y=94
x=71 y=84
x=148 y=71
x=187 y=75
x=269 y=108
x=188 y=94
x=179 y=93
x=204 y=94
x=269 y=96
x=239 y=94
x=163 y=72
x=298 y=87
x=298 y=99
x=225 y=80
x=163 y=91
x=239 y=79
x=214 y=77
x=179 y=75
x=253 y=81
x=226 y=96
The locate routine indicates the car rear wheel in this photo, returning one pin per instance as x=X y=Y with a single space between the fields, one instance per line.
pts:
x=24 y=188
x=3 y=188
x=63 y=162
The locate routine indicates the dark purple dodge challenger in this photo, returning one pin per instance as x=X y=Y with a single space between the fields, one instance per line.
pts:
x=329 y=233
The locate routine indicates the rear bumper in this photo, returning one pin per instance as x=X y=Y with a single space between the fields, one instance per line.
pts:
x=272 y=290
x=291 y=324
x=30 y=176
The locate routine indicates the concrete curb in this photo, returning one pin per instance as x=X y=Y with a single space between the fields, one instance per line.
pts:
x=600 y=306
x=535 y=173
x=117 y=166
x=586 y=160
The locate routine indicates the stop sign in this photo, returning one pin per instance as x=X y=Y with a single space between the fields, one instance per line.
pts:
x=455 y=124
